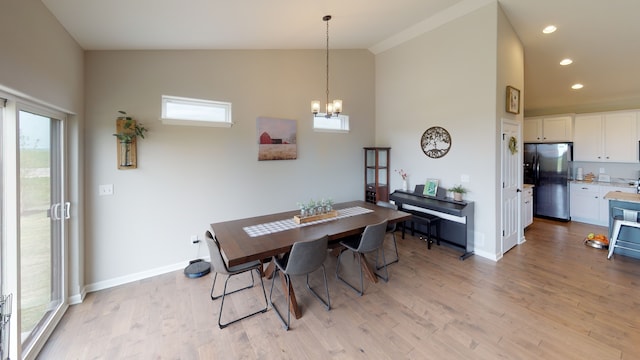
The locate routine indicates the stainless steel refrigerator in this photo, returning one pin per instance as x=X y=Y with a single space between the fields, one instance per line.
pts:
x=547 y=167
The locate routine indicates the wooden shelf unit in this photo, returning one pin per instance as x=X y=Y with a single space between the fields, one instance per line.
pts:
x=376 y=174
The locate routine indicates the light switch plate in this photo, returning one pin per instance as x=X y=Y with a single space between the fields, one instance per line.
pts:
x=105 y=189
x=464 y=178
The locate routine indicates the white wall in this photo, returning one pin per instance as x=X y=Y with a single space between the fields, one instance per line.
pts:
x=448 y=77
x=189 y=177
x=40 y=63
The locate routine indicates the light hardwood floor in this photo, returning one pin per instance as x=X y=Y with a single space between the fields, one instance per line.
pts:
x=549 y=298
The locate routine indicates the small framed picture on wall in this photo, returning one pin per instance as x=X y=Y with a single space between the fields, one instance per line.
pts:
x=513 y=100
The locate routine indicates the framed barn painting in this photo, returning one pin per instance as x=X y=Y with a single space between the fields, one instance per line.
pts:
x=277 y=139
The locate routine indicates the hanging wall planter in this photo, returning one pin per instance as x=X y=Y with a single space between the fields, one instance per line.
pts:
x=125 y=155
x=127 y=131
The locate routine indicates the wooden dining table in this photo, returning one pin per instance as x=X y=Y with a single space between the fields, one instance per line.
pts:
x=239 y=247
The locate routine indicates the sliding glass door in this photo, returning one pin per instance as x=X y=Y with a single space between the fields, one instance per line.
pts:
x=41 y=223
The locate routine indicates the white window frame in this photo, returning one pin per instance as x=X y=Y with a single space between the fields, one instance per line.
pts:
x=343 y=126
x=196 y=103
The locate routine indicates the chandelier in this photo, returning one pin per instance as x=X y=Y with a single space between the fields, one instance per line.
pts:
x=334 y=108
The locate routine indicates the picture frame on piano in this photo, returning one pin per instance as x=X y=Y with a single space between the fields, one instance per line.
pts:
x=431 y=187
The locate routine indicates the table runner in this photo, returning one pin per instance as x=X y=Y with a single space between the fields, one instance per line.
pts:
x=282 y=225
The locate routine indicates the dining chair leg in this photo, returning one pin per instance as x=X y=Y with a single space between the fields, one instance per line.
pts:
x=361 y=291
x=327 y=304
x=285 y=324
x=215 y=276
x=224 y=293
x=385 y=278
x=361 y=274
x=395 y=246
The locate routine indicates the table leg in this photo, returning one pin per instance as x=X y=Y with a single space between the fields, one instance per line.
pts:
x=336 y=251
x=367 y=269
x=268 y=272
x=293 y=303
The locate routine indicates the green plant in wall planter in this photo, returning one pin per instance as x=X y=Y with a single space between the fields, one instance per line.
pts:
x=127 y=130
x=130 y=129
x=457 y=191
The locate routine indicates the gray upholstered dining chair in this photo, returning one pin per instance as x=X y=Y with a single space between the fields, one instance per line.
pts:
x=304 y=258
x=391 y=229
x=371 y=240
x=220 y=267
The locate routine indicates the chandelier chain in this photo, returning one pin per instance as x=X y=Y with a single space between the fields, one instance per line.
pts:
x=327 y=62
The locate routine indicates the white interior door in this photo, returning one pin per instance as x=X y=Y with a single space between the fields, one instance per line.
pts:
x=511 y=174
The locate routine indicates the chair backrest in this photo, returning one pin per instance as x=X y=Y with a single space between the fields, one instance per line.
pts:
x=307 y=256
x=625 y=214
x=372 y=237
x=217 y=261
x=390 y=228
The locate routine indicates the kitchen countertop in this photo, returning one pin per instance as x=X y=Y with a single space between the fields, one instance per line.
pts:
x=604 y=183
x=621 y=196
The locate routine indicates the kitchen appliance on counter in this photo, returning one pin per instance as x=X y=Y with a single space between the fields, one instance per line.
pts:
x=547 y=167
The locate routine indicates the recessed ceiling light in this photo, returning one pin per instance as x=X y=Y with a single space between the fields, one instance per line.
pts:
x=577 y=86
x=549 y=29
x=566 y=62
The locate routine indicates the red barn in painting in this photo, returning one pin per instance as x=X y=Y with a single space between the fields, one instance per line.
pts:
x=265 y=138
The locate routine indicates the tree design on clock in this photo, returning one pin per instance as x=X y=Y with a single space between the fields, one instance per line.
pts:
x=435 y=142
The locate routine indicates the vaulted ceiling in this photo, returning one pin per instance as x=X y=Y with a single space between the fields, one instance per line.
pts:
x=602 y=37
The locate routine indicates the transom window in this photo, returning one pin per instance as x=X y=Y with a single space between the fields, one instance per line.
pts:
x=332 y=124
x=195 y=112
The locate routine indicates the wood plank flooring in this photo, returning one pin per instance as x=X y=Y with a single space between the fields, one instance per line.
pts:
x=549 y=298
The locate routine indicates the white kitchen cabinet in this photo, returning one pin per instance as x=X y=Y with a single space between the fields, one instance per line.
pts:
x=588 y=204
x=548 y=129
x=606 y=137
x=620 y=144
x=527 y=207
x=584 y=202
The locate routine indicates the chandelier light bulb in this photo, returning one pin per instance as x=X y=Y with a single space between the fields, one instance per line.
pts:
x=315 y=106
x=337 y=106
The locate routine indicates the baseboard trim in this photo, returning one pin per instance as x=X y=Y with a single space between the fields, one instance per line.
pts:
x=101 y=285
x=78 y=298
x=487 y=255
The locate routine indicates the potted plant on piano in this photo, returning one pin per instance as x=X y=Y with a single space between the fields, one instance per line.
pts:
x=457 y=191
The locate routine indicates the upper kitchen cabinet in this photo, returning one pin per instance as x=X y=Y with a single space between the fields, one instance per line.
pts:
x=555 y=128
x=606 y=137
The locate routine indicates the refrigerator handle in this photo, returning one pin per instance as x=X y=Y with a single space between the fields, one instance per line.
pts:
x=536 y=170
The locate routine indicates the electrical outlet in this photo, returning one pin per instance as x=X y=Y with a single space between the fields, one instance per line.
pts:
x=194 y=239
x=105 y=189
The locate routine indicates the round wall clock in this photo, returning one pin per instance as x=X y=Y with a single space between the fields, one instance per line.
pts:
x=435 y=142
